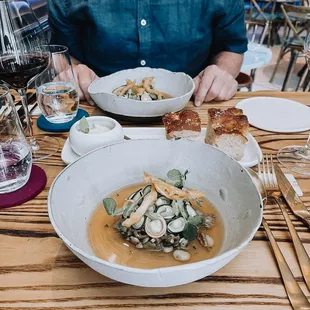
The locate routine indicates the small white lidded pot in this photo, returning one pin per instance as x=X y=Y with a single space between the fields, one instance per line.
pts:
x=102 y=131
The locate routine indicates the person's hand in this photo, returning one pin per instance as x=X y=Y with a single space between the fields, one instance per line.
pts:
x=214 y=83
x=84 y=76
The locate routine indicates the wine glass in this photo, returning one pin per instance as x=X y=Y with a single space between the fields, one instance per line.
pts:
x=56 y=88
x=24 y=53
x=15 y=153
x=296 y=157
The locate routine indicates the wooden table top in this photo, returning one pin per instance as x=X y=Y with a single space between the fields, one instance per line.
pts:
x=37 y=271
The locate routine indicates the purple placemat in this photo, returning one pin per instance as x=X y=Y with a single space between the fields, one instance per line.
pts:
x=31 y=189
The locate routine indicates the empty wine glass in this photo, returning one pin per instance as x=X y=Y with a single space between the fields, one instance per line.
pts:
x=56 y=88
x=296 y=157
x=24 y=53
x=15 y=153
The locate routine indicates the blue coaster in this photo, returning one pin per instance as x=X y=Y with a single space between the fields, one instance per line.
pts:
x=45 y=125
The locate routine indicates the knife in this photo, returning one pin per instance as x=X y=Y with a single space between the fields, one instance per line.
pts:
x=291 y=197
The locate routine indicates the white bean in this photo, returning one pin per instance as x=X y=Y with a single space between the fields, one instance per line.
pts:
x=181 y=255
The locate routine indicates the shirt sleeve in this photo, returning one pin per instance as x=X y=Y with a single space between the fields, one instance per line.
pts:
x=229 y=31
x=65 y=28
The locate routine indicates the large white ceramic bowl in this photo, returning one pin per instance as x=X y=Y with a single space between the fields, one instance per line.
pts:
x=179 y=85
x=79 y=188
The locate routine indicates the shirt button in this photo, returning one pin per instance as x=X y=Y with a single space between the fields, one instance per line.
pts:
x=143 y=62
x=143 y=22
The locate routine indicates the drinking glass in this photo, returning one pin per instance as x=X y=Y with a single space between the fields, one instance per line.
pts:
x=15 y=153
x=56 y=88
x=24 y=53
x=296 y=157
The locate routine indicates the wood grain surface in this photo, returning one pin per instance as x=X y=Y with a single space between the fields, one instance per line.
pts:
x=37 y=271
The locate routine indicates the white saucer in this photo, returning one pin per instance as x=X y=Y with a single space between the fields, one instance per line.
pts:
x=276 y=114
x=250 y=158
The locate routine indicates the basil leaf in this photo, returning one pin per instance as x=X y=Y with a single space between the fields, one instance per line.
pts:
x=190 y=232
x=109 y=205
x=196 y=220
x=84 y=126
x=174 y=175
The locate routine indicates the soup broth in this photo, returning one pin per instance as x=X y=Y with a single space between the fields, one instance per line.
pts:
x=107 y=242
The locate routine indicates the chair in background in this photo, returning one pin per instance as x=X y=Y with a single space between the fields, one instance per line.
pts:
x=256 y=33
x=292 y=42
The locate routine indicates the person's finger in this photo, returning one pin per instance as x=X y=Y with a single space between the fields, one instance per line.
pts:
x=84 y=83
x=225 y=89
x=233 y=90
x=79 y=90
x=84 y=77
x=204 y=86
x=197 y=81
x=215 y=89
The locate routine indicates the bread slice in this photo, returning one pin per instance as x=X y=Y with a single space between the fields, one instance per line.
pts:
x=227 y=130
x=184 y=124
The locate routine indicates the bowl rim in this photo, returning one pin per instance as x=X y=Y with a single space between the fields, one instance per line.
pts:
x=187 y=266
x=148 y=102
x=112 y=120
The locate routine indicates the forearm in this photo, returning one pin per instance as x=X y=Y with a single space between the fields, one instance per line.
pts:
x=230 y=62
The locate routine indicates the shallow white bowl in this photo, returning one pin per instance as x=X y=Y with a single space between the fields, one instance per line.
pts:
x=179 y=85
x=95 y=175
x=82 y=143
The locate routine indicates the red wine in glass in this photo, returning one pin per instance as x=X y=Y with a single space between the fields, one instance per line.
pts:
x=24 y=54
x=17 y=74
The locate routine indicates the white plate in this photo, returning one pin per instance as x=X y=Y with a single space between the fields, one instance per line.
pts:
x=276 y=114
x=250 y=158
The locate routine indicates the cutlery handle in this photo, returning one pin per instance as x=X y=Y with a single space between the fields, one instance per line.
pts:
x=302 y=256
x=296 y=296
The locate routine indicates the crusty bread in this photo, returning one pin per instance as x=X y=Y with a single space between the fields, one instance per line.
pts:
x=183 y=124
x=227 y=130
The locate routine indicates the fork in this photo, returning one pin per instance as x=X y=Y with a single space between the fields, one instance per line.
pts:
x=268 y=177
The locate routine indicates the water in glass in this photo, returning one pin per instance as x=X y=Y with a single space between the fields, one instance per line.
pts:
x=15 y=153
x=56 y=88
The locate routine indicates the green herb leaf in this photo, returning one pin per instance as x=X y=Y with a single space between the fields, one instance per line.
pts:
x=84 y=126
x=179 y=184
x=190 y=232
x=196 y=220
x=109 y=205
x=174 y=175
